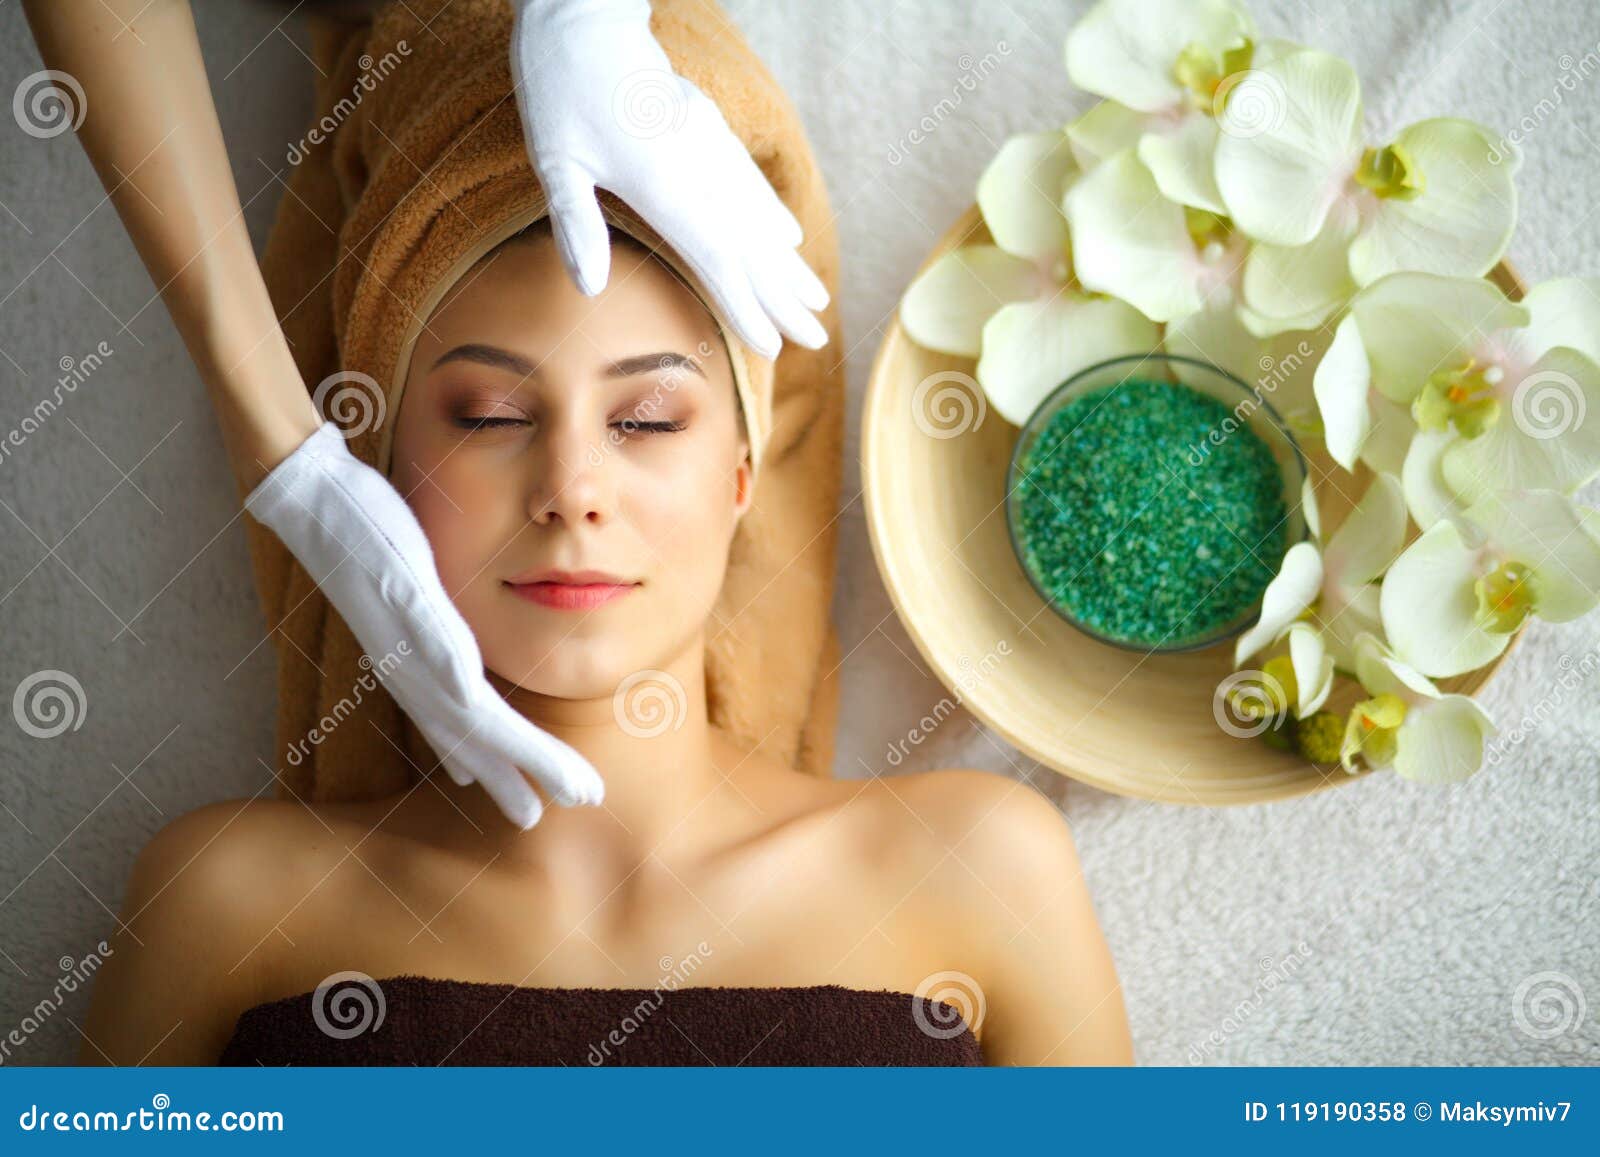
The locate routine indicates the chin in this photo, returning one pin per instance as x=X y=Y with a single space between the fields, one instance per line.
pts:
x=573 y=667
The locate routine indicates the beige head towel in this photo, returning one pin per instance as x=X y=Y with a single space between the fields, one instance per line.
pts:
x=415 y=167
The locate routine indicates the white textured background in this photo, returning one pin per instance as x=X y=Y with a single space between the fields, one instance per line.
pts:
x=1415 y=926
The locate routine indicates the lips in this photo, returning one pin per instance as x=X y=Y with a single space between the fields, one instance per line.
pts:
x=553 y=574
x=565 y=590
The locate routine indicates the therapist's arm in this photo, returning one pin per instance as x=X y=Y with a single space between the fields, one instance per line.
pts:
x=150 y=129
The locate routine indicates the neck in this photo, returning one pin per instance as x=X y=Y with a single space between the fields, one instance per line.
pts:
x=650 y=740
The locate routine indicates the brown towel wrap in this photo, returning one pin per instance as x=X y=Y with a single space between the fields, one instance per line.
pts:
x=426 y=1021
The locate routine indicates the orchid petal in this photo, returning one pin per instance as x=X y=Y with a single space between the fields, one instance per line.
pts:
x=1544 y=530
x=1308 y=507
x=1105 y=130
x=1430 y=607
x=1428 y=496
x=1442 y=741
x=1031 y=347
x=1461 y=222
x=1371 y=657
x=1413 y=324
x=1389 y=440
x=1180 y=160
x=1290 y=592
x=1371 y=536
x=1565 y=311
x=1300 y=286
x=1360 y=614
x=1544 y=439
x=1130 y=241
x=1126 y=50
x=1279 y=177
x=1273 y=48
x=1019 y=195
x=946 y=306
x=1313 y=667
x=1341 y=385
x=1215 y=335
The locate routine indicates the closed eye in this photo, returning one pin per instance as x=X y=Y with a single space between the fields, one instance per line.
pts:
x=628 y=425
x=487 y=423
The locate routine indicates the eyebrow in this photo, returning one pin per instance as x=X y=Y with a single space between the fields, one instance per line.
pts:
x=503 y=359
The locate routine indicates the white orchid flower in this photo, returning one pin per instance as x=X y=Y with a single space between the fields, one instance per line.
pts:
x=1498 y=398
x=1168 y=70
x=1016 y=305
x=1334 y=587
x=1451 y=601
x=1409 y=724
x=1332 y=214
x=1176 y=263
x=1130 y=240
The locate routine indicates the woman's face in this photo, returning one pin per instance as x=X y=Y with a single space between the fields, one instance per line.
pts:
x=540 y=428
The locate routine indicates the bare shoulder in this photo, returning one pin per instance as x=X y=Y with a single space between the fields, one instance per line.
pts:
x=977 y=847
x=201 y=891
x=232 y=857
x=1012 y=909
x=1004 y=824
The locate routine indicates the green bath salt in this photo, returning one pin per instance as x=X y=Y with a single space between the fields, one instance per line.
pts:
x=1150 y=513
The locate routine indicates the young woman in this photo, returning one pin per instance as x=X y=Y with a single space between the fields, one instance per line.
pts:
x=766 y=877
x=540 y=433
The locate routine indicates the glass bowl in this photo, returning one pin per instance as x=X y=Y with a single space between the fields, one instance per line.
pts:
x=1246 y=407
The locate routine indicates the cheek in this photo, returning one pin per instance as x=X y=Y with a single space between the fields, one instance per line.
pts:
x=685 y=516
x=461 y=514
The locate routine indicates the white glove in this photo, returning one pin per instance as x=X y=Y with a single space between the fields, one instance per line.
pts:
x=601 y=105
x=356 y=536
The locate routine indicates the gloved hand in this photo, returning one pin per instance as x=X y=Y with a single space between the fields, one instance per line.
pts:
x=356 y=536
x=601 y=105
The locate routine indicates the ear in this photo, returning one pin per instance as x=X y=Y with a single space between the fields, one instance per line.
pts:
x=744 y=479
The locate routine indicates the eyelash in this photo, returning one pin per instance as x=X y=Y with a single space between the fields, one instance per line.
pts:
x=633 y=426
x=652 y=427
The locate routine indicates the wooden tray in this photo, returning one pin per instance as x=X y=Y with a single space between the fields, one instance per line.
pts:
x=1138 y=725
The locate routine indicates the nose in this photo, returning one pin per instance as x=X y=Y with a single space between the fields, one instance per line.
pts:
x=571 y=481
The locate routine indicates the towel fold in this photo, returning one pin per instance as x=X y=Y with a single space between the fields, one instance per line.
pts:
x=414 y=161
